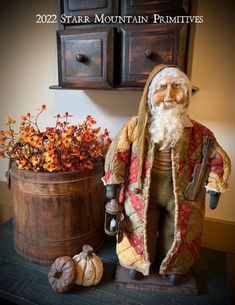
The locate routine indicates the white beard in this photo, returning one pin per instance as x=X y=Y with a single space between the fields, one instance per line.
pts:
x=167 y=124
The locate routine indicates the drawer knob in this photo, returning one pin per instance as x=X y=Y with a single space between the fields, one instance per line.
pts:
x=81 y=58
x=148 y=53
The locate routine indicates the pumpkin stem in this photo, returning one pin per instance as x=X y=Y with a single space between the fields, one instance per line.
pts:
x=57 y=274
x=87 y=251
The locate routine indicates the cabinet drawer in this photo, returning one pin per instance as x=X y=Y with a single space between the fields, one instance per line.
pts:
x=90 y=7
x=146 y=46
x=150 y=7
x=85 y=58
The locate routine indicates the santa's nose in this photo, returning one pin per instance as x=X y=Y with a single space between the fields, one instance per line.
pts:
x=169 y=95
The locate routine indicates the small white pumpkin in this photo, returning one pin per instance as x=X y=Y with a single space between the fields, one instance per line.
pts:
x=89 y=267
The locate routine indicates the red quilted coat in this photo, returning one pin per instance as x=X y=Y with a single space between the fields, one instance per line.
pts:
x=129 y=162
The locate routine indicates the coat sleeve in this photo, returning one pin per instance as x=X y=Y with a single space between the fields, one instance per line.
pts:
x=118 y=155
x=220 y=169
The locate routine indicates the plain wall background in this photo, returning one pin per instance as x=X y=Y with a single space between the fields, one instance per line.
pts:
x=28 y=61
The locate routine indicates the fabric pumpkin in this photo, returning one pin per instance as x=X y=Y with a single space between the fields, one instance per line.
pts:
x=63 y=274
x=89 y=267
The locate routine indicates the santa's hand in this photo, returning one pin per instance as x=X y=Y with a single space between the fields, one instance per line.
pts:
x=214 y=199
x=111 y=191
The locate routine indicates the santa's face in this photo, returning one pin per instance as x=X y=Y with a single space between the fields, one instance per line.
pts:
x=168 y=101
x=170 y=91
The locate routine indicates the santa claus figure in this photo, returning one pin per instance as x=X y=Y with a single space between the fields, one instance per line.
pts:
x=164 y=162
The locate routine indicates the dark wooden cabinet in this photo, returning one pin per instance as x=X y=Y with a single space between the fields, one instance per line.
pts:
x=145 y=46
x=120 y=55
x=85 y=58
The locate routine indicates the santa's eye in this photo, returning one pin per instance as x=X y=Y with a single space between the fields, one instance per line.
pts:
x=163 y=87
x=175 y=86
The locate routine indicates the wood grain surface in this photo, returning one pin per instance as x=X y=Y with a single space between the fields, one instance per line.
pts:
x=25 y=283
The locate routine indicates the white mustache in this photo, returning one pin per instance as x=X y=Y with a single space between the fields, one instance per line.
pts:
x=166 y=105
x=169 y=104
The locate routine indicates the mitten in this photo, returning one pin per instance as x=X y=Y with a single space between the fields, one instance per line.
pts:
x=214 y=199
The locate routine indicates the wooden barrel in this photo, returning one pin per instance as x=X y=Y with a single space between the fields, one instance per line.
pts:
x=55 y=214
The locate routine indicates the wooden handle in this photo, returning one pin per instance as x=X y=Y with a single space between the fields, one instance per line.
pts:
x=81 y=58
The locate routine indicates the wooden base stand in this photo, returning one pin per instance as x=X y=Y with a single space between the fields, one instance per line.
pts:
x=155 y=282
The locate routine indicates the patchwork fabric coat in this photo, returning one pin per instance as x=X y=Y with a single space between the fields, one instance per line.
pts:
x=129 y=162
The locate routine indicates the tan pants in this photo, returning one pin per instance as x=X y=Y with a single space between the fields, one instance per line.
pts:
x=160 y=217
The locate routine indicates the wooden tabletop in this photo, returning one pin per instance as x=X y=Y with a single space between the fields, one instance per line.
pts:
x=23 y=282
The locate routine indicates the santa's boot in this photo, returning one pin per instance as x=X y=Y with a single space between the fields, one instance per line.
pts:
x=173 y=278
